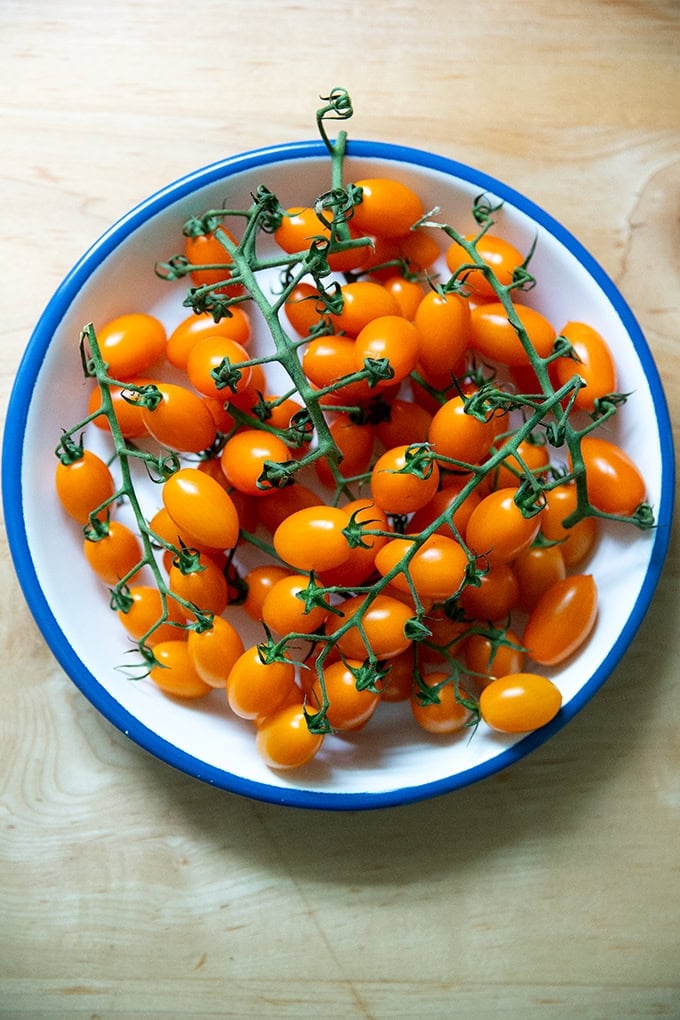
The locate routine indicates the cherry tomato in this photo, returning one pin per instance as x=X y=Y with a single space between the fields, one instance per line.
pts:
x=393 y=338
x=407 y=293
x=561 y=620
x=166 y=531
x=436 y=569
x=488 y=659
x=256 y=688
x=302 y=308
x=495 y=597
x=461 y=436
x=201 y=507
x=512 y=469
x=313 y=538
x=300 y=225
x=329 y=358
x=536 y=570
x=398 y=490
x=259 y=582
x=355 y=444
x=131 y=344
x=245 y=456
x=207 y=250
x=615 y=484
x=205 y=587
x=363 y=301
x=382 y=621
x=348 y=707
x=498 y=529
x=576 y=542
x=519 y=702
x=284 y=740
x=83 y=485
x=114 y=554
x=181 y=421
x=197 y=327
x=496 y=252
x=398 y=683
x=209 y=356
x=145 y=612
x=388 y=208
x=287 y=501
x=128 y=414
x=175 y=673
x=494 y=337
x=405 y=423
x=441 y=502
x=595 y=364
x=443 y=324
x=213 y=652
x=284 y=613
x=361 y=561
x=446 y=714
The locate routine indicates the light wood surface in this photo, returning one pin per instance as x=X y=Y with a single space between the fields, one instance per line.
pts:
x=550 y=890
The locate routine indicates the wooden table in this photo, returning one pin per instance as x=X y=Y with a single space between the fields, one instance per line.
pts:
x=550 y=890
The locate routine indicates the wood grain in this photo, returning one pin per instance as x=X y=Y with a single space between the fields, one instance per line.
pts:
x=550 y=890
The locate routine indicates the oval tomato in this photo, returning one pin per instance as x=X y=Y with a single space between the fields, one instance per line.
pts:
x=562 y=620
x=200 y=507
x=519 y=702
x=615 y=484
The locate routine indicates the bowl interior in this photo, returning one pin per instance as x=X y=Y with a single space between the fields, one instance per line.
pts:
x=390 y=761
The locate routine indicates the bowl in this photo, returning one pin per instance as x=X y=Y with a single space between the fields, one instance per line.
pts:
x=391 y=763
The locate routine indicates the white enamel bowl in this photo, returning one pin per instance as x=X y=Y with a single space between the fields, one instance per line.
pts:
x=389 y=762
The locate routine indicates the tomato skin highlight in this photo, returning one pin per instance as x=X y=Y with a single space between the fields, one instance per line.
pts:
x=519 y=702
x=562 y=620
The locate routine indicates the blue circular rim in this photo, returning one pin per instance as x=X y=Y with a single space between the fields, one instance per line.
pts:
x=12 y=451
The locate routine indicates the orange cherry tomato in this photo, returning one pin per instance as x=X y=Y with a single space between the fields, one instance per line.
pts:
x=200 y=507
x=443 y=324
x=594 y=364
x=446 y=714
x=348 y=707
x=83 y=485
x=245 y=456
x=576 y=542
x=501 y=256
x=436 y=569
x=562 y=620
x=181 y=421
x=114 y=553
x=382 y=621
x=388 y=208
x=221 y=356
x=256 y=688
x=205 y=587
x=498 y=529
x=175 y=673
x=404 y=479
x=284 y=612
x=196 y=327
x=313 y=538
x=363 y=301
x=213 y=652
x=615 y=484
x=495 y=338
x=487 y=658
x=259 y=582
x=519 y=702
x=131 y=343
x=146 y=611
x=284 y=739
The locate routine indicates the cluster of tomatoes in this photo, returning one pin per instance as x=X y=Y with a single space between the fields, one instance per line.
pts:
x=395 y=563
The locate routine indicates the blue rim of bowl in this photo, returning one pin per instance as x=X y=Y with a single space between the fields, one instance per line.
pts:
x=12 y=452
